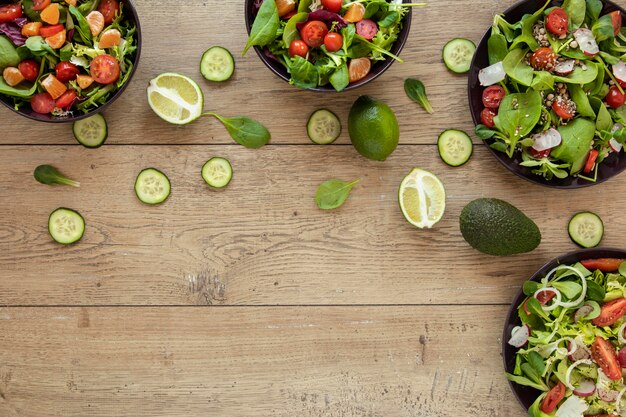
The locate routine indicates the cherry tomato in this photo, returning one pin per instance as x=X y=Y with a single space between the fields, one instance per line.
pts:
x=591 y=161
x=66 y=100
x=615 y=98
x=616 y=19
x=66 y=71
x=332 y=5
x=10 y=12
x=29 y=69
x=564 y=108
x=367 y=28
x=603 y=264
x=109 y=8
x=40 y=4
x=105 y=69
x=543 y=58
x=358 y=69
x=299 y=48
x=492 y=96
x=48 y=31
x=545 y=296
x=539 y=154
x=554 y=397
x=486 y=117
x=610 y=313
x=313 y=33
x=42 y=103
x=333 y=41
x=557 y=21
x=603 y=353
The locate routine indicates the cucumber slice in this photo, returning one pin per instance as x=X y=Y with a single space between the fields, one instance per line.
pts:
x=66 y=226
x=457 y=55
x=586 y=229
x=323 y=127
x=152 y=186
x=455 y=147
x=217 y=172
x=91 y=132
x=217 y=64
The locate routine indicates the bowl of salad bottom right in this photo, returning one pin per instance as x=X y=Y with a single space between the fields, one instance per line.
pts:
x=546 y=91
x=563 y=343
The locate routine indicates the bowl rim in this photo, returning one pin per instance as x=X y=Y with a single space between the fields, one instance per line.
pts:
x=118 y=93
x=384 y=65
x=532 y=178
x=511 y=317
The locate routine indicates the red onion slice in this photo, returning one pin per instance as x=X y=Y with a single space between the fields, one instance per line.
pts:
x=519 y=336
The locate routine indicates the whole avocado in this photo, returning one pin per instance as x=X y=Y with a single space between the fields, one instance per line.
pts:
x=373 y=128
x=495 y=227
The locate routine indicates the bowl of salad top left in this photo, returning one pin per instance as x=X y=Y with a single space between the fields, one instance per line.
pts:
x=61 y=62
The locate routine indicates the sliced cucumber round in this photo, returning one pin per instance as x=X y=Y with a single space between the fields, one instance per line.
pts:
x=217 y=172
x=586 y=229
x=91 y=132
x=217 y=64
x=152 y=186
x=323 y=127
x=455 y=147
x=457 y=55
x=66 y=226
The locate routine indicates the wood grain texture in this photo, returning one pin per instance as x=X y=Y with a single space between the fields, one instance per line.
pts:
x=263 y=240
x=283 y=362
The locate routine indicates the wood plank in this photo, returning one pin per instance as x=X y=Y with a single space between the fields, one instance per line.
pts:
x=256 y=92
x=263 y=240
x=283 y=362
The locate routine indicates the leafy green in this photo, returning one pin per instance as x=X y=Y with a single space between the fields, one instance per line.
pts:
x=47 y=174
x=265 y=27
x=576 y=11
x=497 y=48
x=303 y=73
x=542 y=81
x=582 y=101
x=416 y=91
x=244 y=130
x=290 y=32
x=370 y=10
x=580 y=75
x=604 y=121
x=517 y=116
x=484 y=132
x=8 y=54
x=340 y=78
x=82 y=29
x=527 y=37
x=389 y=19
x=304 y=6
x=593 y=10
x=577 y=138
x=603 y=28
x=516 y=67
x=38 y=46
x=333 y=193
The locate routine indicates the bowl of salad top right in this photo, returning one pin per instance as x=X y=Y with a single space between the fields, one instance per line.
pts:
x=547 y=91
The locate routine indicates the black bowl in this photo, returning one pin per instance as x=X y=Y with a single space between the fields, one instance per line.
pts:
x=26 y=111
x=611 y=166
x=526 y=395
x=377 y=68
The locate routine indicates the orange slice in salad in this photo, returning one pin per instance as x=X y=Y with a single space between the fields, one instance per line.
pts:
x=31 y=29
x=51 y=14
x=12 y=76
x=96 y=22
x=56 y=41
x=84 y=81
x=53 y=86
x=358 y=69
x=355 y=13
x=109 y=39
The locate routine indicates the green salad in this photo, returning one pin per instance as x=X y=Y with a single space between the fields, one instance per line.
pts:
x=554 y=89
x=571 y=342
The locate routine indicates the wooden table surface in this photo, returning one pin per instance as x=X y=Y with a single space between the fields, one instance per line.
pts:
x=251 y=301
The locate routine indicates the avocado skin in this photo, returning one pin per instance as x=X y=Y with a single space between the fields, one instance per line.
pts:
x=497 y=228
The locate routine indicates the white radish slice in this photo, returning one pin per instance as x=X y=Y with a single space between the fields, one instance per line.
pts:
x=615 y=145
x=619 y=71
x=565 y=67
x=608 y=395
x=491 y=75
x=519 y=336
x=586 y=388
x=546 y=140
x=586 y=41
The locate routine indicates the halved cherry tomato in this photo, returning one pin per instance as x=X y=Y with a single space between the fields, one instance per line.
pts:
x=109 y=8
x=610 y=313
x=367 y=28
x=543 y=58
x=105 y=69
x=39 y=5
x=545 y=296
x=615 y=98
x=313 y=33
x=31 y=29
x=603 y=264
x=48 y=31
x=66 y=71
x=564 y=108
x=486 y=117
x=557 y=21
x=591 y=161
x=42 y=103
x=616 y=19
x=492 y=96
x=10 y=12
x=332 y=5
x=29 y=69
x=355 y=13
x=553 y=398
x=298 y=48
x=603 y=353
x=358 y=69
x=66 y=100
x=539 y=154
x=333 y=42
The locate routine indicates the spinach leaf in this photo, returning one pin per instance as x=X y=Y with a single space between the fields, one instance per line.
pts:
x=417 y=92
x=484 y=132
x=595 y=291
x=83 y=26
x=530 y=287
x=39 y=47
x=515 y=67
x=389 y=19
x=594 y=8
x=370 y=10
x=582 y=101
x=604 y=121
x=88 y=7
x=576 y=11
x=304 y=6
x=502 y=26
x=290 y=33
x=577 y=138
x=542 y=81
x=245 y=131
x=340 y=78
x=518 y=115
x=32 y=15
x=303 y=73
x=528 y=21
x=8 y=54
x=603 y=28
x=497 y=47
x=17 y=91
x=358 y=50
x=333 y=193
x=377 y=48
x=536 y=361
x=580 y=76
x=265 y=27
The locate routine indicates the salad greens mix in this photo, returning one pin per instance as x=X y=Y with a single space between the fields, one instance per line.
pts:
x=555 y=89
x=572 y=328
x=323 y=42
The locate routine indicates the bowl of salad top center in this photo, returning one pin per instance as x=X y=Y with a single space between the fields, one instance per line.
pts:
x=328 y=45
x=546 y=91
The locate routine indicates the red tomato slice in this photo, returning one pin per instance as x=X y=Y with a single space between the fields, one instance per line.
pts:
x=616 y=19
x=492 y=96
x=333 y=42
x=105 y=69
x=48 y=31
x=539 y=154
x=40 y=4
x=591 y=161
x=603 y=353
x=29 y=69
x=557 y=21
x=332 y=5
x=615 y=98
x=10 y=12
x=611 y=312
x=298 y=48
x=66 y=100
x=543 y=58
x=486 y=117
x=109 y=8
x=313 y=33
x=553 y=398
x=367 y=28
x=564 y=108
x=42 y=103
x=66 y=71
x=603 y=264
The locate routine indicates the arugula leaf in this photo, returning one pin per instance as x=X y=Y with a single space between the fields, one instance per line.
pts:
x=265 y=27
x=333 y=193
x=417 y=92
x=515 y=66
x=244 y=130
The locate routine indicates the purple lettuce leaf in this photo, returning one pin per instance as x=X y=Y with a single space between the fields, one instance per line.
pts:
x=21 y=21
x=13 y=32
x=326 y=17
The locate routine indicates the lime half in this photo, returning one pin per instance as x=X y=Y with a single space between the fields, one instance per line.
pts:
x=175 y=98
x=422 y=198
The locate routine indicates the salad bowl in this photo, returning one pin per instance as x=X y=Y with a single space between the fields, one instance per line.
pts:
x=613 y=164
